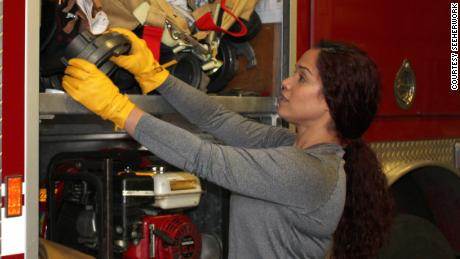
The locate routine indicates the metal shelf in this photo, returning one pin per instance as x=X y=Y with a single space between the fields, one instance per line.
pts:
x=62 y=104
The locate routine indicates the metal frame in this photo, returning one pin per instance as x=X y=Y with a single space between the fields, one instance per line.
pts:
x=31 y=126
x=285 y=41
x=55 y=104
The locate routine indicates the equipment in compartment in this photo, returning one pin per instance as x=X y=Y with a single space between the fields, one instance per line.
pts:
x=102 y=207
x=65 y=34
x=204 y=60
x=187 y=69
x=97 y=49
x=254 y=25
x=176 y=190
x=222 y=75
x=167 y=237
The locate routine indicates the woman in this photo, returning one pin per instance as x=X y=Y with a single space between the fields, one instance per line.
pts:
x=294 y=195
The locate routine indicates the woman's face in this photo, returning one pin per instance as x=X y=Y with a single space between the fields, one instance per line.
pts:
x=301 y=99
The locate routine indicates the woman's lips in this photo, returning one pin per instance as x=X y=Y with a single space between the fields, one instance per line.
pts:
x=282 y=98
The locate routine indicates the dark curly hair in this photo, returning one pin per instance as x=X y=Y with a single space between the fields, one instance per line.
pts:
x=351 y=86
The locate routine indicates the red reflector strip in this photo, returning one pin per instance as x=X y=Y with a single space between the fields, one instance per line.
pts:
x=13 y=196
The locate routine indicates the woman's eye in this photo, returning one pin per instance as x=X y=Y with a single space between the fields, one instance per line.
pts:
x=302 y=79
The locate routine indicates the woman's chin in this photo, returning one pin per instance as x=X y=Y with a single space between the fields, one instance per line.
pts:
x=281 y=113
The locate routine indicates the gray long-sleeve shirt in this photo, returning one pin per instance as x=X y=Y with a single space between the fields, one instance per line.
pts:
x=286 y=202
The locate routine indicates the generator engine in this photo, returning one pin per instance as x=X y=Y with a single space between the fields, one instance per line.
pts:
x=123 y=213
x=167 y=237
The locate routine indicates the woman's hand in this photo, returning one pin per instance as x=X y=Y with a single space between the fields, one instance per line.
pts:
x=140 y=62
x=94 y=90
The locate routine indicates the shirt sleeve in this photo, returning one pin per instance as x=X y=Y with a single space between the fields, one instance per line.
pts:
x=283 y=175
x=225 y=125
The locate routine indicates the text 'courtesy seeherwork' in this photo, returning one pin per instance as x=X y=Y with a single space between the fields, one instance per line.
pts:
x=454 y=46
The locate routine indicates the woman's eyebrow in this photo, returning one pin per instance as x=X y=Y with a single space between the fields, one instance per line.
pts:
x=304 y=67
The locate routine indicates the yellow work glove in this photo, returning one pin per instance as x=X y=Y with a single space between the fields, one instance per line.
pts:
x=94 y=90
x=147 y=71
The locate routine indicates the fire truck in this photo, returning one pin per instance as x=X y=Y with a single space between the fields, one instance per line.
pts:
x=416 y=133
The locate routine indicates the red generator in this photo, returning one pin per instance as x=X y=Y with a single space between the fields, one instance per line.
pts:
x=167 y=237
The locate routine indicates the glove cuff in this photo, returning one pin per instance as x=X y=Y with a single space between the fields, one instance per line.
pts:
x=120 y=110
x=152 y=79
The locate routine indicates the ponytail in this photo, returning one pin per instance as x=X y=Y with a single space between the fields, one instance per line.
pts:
x=351 y=86
x=366 y=217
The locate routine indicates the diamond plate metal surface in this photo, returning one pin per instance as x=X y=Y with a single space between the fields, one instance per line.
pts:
x=399 y=157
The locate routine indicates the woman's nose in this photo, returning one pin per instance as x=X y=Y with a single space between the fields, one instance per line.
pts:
x=284 y=84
